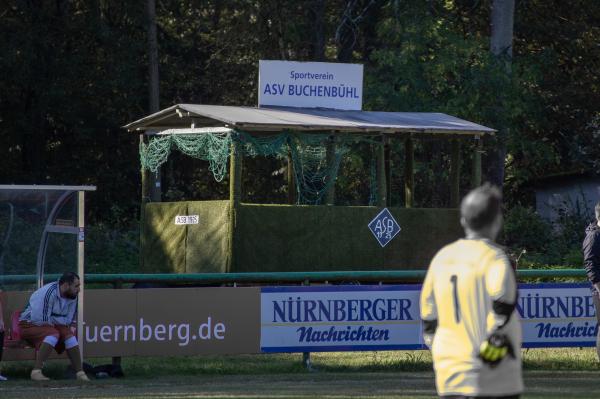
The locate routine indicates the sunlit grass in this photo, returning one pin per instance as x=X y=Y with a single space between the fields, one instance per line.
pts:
x=576 y=359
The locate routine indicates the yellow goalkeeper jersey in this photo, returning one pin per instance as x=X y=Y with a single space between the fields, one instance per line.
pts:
x=462 y=283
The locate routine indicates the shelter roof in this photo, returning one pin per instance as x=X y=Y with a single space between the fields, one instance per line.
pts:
x=275 y=119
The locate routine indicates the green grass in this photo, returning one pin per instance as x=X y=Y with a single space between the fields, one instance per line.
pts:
x=549 y=373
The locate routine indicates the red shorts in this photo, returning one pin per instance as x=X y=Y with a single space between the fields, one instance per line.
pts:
x=35 y=335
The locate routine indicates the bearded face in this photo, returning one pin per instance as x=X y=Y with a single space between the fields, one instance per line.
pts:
x=71 y=289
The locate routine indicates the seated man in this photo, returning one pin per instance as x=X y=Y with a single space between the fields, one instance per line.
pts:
x=46 y=323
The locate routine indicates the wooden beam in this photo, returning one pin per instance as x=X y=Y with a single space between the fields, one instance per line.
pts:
x=144 y=200
x=388 y=170
x=455 y=174
x=235 y=197
x=291 y=187
x=331 y=146
x=235 y=174
x=476 y=177
x=409 y=178
x=381 y=178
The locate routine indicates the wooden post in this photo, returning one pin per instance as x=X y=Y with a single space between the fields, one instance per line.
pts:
x=409 y=178
x=144 y=175
x=381 y=179
x=145 y=199
x=455 y=174
x=153 y=88
x=476 y=179
x=155 y=185
x=235 y=196
x=330 y=195
x=290 y=180
x=388 y=171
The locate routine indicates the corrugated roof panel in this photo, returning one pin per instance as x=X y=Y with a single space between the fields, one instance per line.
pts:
x=279 y=118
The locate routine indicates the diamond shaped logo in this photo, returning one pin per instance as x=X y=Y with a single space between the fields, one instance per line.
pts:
x=384 y=227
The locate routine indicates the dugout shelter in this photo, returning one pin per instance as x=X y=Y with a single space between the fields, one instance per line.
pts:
x=308 y=233
x=42 y=233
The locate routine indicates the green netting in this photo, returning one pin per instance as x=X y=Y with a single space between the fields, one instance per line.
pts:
x=213 y=147
x=316 y=157
x=314 y=170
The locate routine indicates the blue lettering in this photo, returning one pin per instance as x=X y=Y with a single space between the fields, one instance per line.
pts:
x=304 y=333
x=365 y=310
x=590 y=310
x=340 y=313
x=352 y=316
x=324 y=310
x=404 y=305
x=309 y=311
x=562 y=306
x=279 y=310
x=391 y=311
x=379 y=310
x=576 y=306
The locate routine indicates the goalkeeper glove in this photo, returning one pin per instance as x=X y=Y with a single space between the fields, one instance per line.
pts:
x=495 y=348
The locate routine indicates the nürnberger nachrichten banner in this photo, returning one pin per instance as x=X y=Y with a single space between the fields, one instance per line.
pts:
x=338 y=318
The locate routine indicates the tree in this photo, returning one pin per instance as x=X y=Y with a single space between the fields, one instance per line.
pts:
x=501 y=46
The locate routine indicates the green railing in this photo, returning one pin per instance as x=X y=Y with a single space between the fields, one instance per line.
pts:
x=279 y=277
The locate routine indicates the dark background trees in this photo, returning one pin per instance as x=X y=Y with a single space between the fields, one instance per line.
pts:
x=73 y=72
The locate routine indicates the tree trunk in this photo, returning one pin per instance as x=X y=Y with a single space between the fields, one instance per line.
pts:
x=503 y=12
x=318 y=15
x=153 y=93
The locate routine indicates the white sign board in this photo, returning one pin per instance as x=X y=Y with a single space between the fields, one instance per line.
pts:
x=347 y=318
x=186 y=219
x=338 y=318
x=555 y=315
x=310 y=84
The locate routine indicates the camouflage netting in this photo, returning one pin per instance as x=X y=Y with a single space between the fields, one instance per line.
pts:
x=314 y=170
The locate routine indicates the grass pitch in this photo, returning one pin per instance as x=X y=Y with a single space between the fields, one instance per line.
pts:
x=549 y=373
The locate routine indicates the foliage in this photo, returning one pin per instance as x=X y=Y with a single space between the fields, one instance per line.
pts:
x=545 y=243
x=109 y=250
x=525 y=229
x=73 y=72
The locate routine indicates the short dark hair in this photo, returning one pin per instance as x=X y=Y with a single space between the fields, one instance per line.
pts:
x=597 y=209
x=68 y=277
x=481 y=206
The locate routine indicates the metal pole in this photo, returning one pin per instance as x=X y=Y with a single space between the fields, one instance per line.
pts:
x=81 y=267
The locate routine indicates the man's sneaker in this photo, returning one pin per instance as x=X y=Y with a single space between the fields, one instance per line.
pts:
x=36 y=375
x=3 y=378
x=81 y=376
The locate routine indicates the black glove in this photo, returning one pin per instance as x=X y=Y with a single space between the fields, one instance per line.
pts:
x=495 y=348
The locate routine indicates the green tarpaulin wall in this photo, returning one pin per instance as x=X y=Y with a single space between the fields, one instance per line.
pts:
x=192 y=248
x=278 y=238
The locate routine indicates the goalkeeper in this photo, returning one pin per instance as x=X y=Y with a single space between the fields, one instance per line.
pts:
x=468 y=308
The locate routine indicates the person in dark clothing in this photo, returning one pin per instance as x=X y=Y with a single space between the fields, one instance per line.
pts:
x=591 y=261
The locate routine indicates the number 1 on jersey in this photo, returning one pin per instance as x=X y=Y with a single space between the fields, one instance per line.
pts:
x=453 y=280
